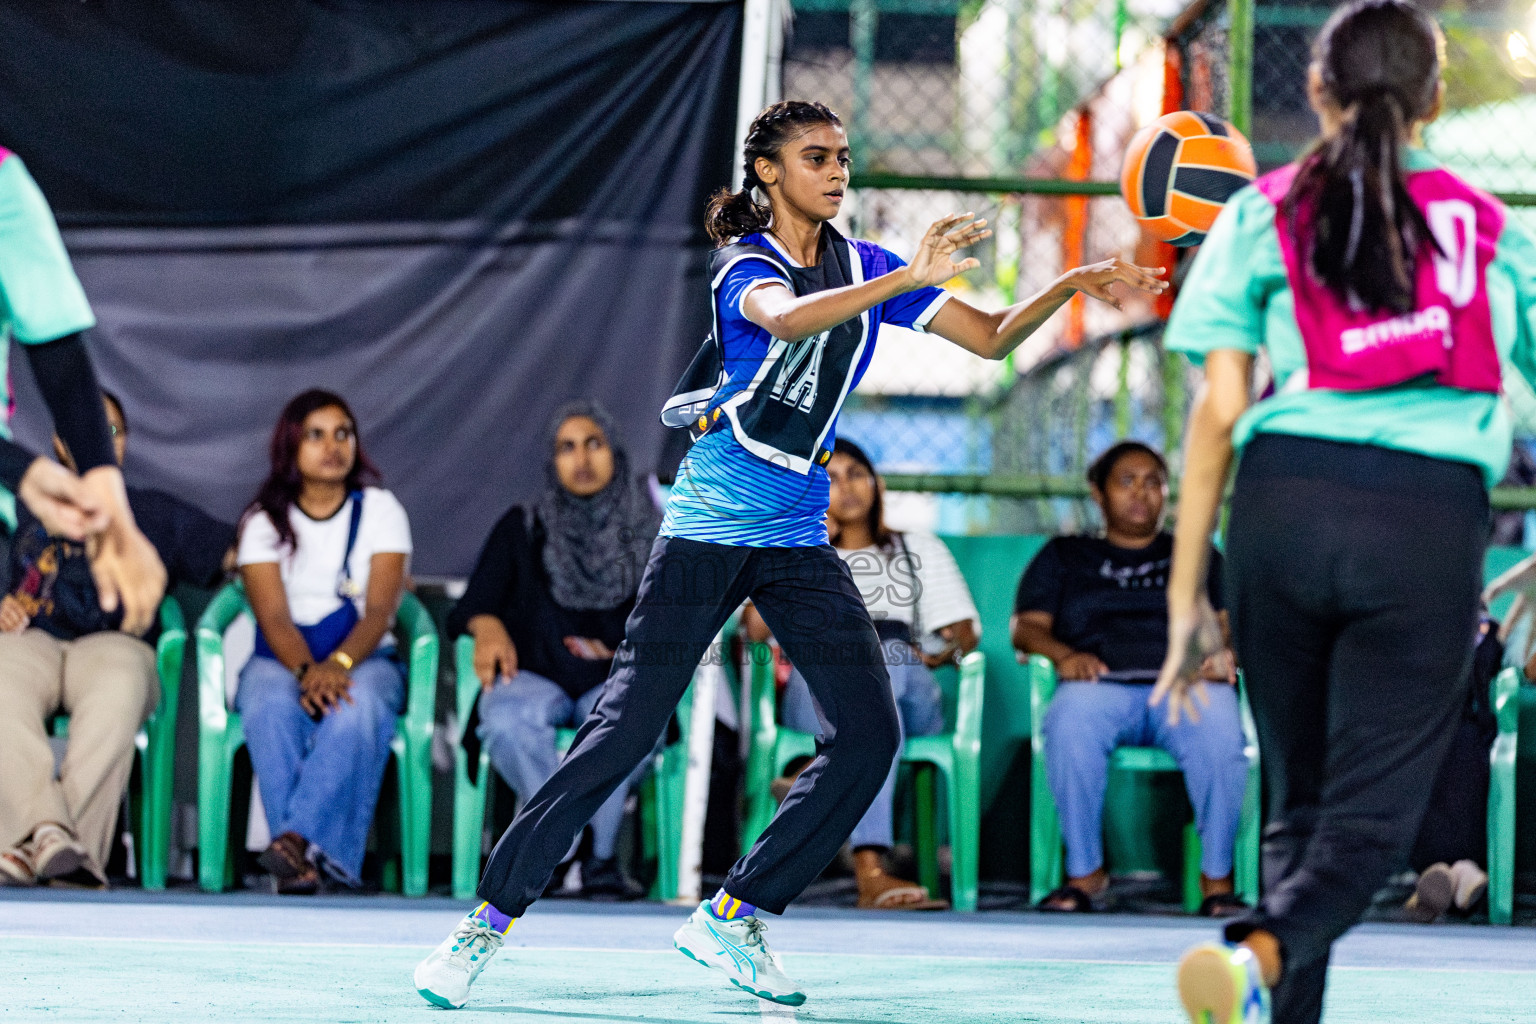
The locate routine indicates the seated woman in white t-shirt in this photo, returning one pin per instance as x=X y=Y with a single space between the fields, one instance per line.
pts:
x=924 y=614
x=320 y=696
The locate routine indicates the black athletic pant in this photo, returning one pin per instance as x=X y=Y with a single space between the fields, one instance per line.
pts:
x=1354 y=574
x=808 y=598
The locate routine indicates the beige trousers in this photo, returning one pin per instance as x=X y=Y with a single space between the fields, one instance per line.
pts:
x=107 y=684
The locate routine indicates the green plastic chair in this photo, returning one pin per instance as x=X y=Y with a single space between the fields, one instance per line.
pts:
x=220 y=735
x=661 y=811
x=1505 y=698
x=156 y=743
x=954 y=755
x=1046 y=869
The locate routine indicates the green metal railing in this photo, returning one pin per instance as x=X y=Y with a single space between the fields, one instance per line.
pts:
x=1240 y=65
x=1036 y=487
x=1011 y=186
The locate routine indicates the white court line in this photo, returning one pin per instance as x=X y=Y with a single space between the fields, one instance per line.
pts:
x=301 y=944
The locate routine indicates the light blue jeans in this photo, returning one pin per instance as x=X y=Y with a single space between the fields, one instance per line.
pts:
x=920 y=708
x=518 y=719
x=1087 y=721
x=321 y=779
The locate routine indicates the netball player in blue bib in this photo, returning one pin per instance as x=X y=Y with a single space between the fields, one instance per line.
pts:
x=796 y=311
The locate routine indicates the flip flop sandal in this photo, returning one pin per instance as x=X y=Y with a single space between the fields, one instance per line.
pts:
x=56 y=853
x=16 y=868
x=1222 y=904
x=1432 y=895
x=1471 y=884
x=901 y=898
x=306 y=883
x=80 y=878
x=1078 y=902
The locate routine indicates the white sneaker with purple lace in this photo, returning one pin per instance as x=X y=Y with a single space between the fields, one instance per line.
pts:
x=444 y=977
x=738 y=950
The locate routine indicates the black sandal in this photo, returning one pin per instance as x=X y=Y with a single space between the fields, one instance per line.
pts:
x=287 y=857
x=1078 y=902
x=1222 y=904
x=305 y=883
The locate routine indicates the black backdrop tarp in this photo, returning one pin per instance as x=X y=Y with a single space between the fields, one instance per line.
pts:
x=457 y=213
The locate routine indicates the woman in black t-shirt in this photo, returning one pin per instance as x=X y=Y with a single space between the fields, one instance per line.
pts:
x=1097 y=608
x=546 y=607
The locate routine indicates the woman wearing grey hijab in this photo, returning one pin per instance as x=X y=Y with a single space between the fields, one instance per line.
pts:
x=546 y=606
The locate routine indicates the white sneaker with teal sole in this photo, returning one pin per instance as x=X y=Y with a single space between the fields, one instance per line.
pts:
x=444 y=977
x=1223 y=985
x=737 y=950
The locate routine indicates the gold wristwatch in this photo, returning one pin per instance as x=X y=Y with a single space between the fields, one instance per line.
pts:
x=342 y=658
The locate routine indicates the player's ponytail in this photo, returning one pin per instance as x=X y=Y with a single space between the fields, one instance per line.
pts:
x=1380 y=62
x=733 y=214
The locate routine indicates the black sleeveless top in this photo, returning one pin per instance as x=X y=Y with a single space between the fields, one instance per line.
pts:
x=784 y=412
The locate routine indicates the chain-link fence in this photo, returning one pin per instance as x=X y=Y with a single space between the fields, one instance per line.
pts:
x=1198 y=45
x=962 y=88
x=1015 y=460
x=1019 y=110
x=1484 y=132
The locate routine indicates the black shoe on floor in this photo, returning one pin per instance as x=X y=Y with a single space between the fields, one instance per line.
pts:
x=605 y=881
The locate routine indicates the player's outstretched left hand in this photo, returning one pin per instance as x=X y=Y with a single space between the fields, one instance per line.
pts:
x=934 y=262
x=1192 y=639
x=1096 y=278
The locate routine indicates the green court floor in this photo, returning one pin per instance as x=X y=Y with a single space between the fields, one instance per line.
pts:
x=179 y=959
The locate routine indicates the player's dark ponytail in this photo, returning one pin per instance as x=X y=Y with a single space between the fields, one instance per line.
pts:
x=733 y=214
x=1380 y=62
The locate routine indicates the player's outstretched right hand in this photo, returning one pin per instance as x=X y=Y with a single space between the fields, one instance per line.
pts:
x=934 y=262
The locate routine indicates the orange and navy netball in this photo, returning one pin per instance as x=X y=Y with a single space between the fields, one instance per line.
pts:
x=1178 y=172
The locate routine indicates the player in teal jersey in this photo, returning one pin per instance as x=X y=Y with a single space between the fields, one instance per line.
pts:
x=1389 y=296
x=43 y=307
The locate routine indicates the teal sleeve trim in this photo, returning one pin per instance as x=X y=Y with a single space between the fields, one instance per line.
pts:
x=40 y=296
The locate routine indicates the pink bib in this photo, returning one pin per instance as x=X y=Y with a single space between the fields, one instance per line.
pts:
x=1449 y=332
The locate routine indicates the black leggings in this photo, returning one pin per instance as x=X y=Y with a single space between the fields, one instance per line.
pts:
x=1354 y=573
x=808 y=598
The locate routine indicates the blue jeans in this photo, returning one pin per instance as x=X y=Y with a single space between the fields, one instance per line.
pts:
x=321 y=779
x=920 y=708
x=1087 y=721
x=518 y=719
